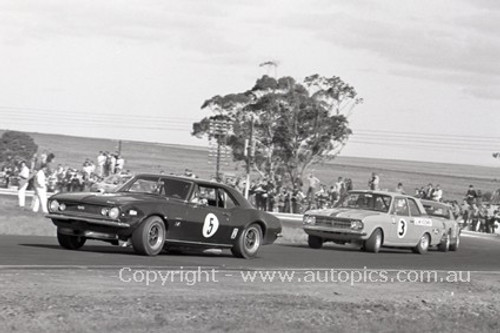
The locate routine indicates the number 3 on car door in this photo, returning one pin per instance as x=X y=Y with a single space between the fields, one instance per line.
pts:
x=402 y=228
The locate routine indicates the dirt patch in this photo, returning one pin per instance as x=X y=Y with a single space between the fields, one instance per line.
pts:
x=92 y=300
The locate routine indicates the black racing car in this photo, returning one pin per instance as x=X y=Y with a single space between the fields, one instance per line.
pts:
x=153 y=212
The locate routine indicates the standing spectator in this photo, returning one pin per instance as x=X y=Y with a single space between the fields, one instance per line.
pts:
x=400 y=189
x=24 y=175
x=296 y=199
x=40 y=190
x=314 y=183
x=428 y=192
x=374 y=182
x=60 y=175
x=322 y=197
x=338 y=189
x=43 y=157
x=112 y=164
x=101 y=160
x=107 y=164
x=332 y=195
x=281 y=198
x=87 y=168
x=471 y=195
x=489 y=219
x=120 y=164
x=348 y=184
x=437 y=194
x=260 y=200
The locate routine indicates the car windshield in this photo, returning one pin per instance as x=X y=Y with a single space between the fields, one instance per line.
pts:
x=168 y=187
x=366 y=201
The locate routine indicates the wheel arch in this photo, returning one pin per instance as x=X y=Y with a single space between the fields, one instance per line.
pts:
x=155 y=214
x=379 y=227
x=261 y=224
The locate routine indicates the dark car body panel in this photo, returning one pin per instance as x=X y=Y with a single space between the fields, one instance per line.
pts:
x=187 y=221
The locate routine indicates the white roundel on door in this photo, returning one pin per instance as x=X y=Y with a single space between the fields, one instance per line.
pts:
x=210 y=225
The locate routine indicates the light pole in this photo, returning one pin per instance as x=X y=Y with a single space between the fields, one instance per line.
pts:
x=219 y=130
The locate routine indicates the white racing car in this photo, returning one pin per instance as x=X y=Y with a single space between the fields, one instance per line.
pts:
x=373 y=219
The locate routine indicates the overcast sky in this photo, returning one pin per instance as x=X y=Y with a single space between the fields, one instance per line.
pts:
x=428 y=70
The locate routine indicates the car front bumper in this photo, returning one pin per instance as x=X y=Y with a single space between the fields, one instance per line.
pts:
x=335 y=233
x=90 y=220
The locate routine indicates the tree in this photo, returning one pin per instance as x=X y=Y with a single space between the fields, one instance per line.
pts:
x=16 y=146
x=294 y=125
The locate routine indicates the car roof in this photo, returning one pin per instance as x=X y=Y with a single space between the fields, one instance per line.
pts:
x=389 y=193
x=434 y=203
x=235 y=193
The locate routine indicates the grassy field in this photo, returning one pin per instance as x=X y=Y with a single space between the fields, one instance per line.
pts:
x=150 y=157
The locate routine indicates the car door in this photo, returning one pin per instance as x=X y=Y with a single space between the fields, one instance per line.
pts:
x=400 y=229
x=208 y=219
x=418 y=222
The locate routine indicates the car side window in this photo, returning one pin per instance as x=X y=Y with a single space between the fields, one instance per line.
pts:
x=414 y=211
x=401 y=207
x=227 y=199
x=209 y=194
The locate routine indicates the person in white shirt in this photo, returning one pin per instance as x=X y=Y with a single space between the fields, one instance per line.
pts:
x=101 y=160
x=24 y=175
x=373 y=183
x=437 y=195
x=40 y=198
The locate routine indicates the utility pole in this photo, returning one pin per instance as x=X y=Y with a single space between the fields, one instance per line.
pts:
x=219 y=130
x=249 y=153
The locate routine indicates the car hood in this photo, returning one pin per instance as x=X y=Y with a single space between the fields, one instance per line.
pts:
x=343 y=213
x=113 y=198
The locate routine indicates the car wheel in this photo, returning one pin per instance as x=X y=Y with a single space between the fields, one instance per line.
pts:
x=454 y=245
x=70 y=242
x=248 y=243
x=423 y=244
x=444 y=246
x=149 y=237
x=315 y=242
x=374 y=243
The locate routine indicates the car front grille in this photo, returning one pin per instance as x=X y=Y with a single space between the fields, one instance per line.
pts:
x=333 y=222
x=83 y=209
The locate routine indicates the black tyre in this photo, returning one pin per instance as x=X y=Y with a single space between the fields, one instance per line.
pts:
x=315 y=242
x=149 y=238
x=444 y=246
x=374 y=243
x=70 y=242
x=248 y=243
x=423 y=245
x=454 y=244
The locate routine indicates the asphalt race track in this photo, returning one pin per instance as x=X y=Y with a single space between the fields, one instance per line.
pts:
x=476 y=253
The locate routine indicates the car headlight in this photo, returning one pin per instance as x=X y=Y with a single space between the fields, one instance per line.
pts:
x=114 y=213
x=104 y=211
x=356 y=225
x=308 y=219
x=62 y=207
x=54 y=206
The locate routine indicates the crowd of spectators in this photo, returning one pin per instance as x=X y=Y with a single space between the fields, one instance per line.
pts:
x=478 y=215
x=269 y=195
x=42 y=176
x=265 y=193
